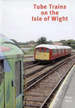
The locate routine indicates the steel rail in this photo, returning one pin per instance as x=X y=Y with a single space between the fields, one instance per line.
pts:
x=52 y=90
x=45 y=74
x=44 y=104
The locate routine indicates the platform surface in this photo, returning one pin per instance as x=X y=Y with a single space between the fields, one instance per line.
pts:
x=69 y=98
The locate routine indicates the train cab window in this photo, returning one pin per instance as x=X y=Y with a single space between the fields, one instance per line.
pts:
x=47 y=50
x=42 y=50
x=18 y=78
x=1 y=71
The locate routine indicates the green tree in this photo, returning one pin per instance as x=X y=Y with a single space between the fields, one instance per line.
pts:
x=69 y=42
x=50 y=42
x=42 y=40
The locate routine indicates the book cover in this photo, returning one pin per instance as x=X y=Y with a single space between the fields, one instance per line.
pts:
x=37 y=49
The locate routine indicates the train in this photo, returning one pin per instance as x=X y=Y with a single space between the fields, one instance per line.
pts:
x=46 y=52
x=11 y=74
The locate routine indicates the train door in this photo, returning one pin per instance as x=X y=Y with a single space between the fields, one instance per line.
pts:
x=18 y=82
x=1 y=84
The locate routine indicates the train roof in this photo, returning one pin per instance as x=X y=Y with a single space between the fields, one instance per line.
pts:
x=8 y=49
x=52 y=46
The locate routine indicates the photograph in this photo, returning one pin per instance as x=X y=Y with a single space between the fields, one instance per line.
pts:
x=37 y=54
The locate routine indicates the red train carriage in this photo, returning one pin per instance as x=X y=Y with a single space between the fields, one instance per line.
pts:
x=50 y=52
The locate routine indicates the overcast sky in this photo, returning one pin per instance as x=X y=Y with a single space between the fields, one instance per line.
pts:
x=16 y=21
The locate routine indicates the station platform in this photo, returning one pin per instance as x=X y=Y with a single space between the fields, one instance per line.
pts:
x=69 y=98
x=65 y=96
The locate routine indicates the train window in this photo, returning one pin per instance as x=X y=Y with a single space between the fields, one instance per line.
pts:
x=54 y=51
x=18 y=77
x=1 y=71
x=66 y=50
x=47 y=50
x=42 y=50
x=58 y=51
x=61 y=50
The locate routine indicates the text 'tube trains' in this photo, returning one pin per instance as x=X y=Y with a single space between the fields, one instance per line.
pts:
x=11 y=72
x=50 y=52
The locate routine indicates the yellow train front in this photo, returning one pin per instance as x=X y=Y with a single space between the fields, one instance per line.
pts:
x=45 y=52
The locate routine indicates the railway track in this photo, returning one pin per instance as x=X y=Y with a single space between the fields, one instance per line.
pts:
x=29 y=63
x=33 y=74
x=30 y=66
x=39 y=88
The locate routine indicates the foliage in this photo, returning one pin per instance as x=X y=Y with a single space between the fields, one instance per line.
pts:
x=43 y=40
x=50 y=42
x=70 y=42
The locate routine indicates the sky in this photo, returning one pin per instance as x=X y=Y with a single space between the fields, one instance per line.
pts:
x=16 y=21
